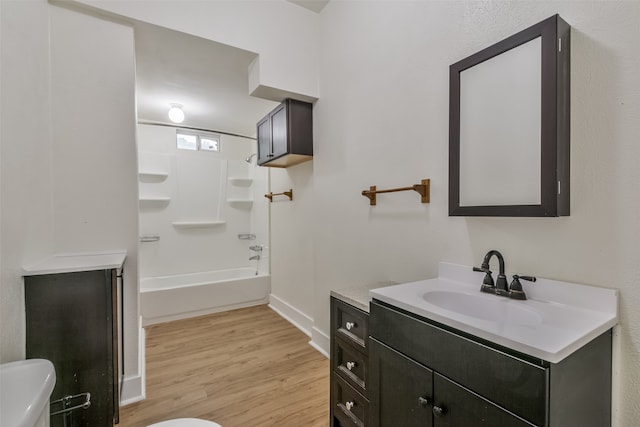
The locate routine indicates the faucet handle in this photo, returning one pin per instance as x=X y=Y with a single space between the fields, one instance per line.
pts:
x=487 y=283
x=515 y=288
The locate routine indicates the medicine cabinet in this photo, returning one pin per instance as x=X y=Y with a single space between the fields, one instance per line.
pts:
x=509 y=112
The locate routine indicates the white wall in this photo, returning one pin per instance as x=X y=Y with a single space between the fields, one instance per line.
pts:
x=382 y=119
x=26 y=211
x=68 y=152
x=284 y=35
x=93 y=148
x=292 y=244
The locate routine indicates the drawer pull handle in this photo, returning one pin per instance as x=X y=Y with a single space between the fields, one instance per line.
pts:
x=351 y=365
x=349 y=405
x=423 y=401
x=350 y=325
x=439 y=411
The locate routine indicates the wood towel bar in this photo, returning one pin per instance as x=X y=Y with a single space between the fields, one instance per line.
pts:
x=423 y=188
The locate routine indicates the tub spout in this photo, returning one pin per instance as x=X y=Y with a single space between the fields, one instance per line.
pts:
x=255 y=257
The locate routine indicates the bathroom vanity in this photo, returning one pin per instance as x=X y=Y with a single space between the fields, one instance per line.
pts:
x=423 y=374
x=437 y=357
x=350 y=355
x=349 y=365
x=73 y=313
x=439 y=352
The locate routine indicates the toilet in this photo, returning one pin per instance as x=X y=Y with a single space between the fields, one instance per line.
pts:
x=186 y=422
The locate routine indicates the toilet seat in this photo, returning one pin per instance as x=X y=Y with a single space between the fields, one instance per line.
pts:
x=186 y=422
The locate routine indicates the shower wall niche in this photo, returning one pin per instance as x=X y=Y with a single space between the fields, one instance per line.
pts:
x=194 y=204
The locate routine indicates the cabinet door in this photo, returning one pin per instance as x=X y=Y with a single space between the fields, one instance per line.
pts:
x=279 y=134
x=455 y=406
x=401 y=389
x=264 y=140
x=69 y=321
x=518 y=385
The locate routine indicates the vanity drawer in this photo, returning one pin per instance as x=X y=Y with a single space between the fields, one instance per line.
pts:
x=351 y=364
x=518 y=385
x=350 y=323
x=349 y=407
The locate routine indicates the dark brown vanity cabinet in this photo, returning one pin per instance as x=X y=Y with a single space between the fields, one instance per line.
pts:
x=426 y=374
x=72 y=320
x=349 y=365
x=285 y=135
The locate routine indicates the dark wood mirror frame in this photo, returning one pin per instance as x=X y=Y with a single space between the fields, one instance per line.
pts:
x=555 y=122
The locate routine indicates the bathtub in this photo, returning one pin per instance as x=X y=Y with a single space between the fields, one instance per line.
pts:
x=181 y=296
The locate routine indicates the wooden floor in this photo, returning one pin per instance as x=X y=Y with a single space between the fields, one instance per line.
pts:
x=242 y=368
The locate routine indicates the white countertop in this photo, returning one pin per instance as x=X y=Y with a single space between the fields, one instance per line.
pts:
x=358 y=296
x=70 y=263
x=557 y=318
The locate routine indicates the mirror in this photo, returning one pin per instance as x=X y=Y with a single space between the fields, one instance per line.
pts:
x=509 y=126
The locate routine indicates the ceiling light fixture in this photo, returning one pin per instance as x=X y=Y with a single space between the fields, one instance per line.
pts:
x=176 y=115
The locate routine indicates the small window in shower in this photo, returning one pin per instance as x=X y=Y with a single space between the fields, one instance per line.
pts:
x=187 y=141
x=194 y=140
x=209 y=144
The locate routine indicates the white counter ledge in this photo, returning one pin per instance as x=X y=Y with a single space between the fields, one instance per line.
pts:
x=70 y=263
x=359 y=296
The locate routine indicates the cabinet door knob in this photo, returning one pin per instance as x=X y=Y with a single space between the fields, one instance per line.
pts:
x=351 y=365
x=439 y=411
x=423 y=401
x=349 y=405
x=350 y=325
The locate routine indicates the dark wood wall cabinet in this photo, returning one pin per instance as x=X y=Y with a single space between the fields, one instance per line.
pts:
x=72 y=320
x=285 y=135
x=349 y=366
x=426 y=374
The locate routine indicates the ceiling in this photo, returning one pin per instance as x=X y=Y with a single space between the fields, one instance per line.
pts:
x=209 y=79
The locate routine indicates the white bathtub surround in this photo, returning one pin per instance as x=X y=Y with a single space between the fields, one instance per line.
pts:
x=557 y=318
x=195 y=263
x=180 y=296
x=195 y=203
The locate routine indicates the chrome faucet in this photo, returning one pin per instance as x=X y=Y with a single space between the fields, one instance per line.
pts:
x=514 y=290
x=255 y=257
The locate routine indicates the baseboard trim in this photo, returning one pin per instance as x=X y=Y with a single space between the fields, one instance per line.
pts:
x=296 y=317
x=133 y=387
x=320 y=341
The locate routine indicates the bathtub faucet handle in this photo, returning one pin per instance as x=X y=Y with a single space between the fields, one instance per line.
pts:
x=256 y=248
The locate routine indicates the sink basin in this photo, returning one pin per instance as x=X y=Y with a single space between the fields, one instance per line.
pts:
x=25 y=388
x=491 y=308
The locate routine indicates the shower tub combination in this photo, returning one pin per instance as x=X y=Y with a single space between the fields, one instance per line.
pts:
x=167 y=298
